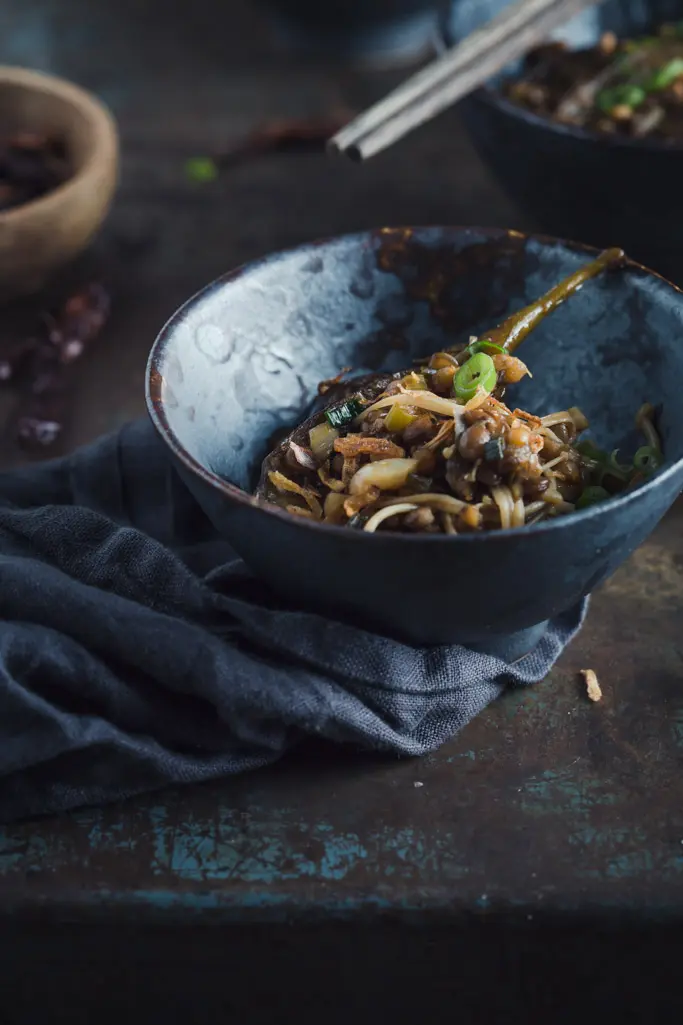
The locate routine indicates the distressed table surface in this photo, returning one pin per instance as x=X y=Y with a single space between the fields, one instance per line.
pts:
x=531 y=870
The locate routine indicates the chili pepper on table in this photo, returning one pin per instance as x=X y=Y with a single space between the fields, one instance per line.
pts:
x=44 y=361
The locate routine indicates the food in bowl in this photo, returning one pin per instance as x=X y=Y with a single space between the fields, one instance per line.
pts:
x=31 y=165
x=435 y=449
x=626 y=87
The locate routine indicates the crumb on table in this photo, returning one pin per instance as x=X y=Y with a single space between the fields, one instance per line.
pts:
x=592 y=685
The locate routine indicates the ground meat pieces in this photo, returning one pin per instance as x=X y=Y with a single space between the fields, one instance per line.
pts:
x=366 y=445
x=420 y=431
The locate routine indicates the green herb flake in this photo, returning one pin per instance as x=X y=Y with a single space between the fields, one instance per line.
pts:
x=484 y=345
x=344 y=413
x=494 y=449
x=201 y=169
x=666 y=75
x=607 y=462
x=647 y=459
x=478 y=372
x=625 y=95
x=591 y=496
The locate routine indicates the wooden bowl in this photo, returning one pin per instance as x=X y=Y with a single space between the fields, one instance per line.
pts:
x=40 y=236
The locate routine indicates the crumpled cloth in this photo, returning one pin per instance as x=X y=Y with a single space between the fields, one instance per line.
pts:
x=136 y=649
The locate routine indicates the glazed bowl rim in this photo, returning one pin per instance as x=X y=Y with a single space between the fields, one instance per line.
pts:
x=103 y=139
x=157 y=414
x=488 y=93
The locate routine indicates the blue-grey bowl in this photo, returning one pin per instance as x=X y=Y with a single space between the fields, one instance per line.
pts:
x=572 y=182
x=364 y=30
x=241 y=360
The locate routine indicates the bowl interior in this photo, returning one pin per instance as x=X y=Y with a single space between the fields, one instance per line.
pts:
x=243 y=358
x=36 y=107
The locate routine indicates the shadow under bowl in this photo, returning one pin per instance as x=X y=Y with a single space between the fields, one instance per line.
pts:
x=580 y=184
x=242 y=359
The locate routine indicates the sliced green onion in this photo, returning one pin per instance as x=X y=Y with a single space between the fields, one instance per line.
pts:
x=589 y=449
x=321 y=439
x=344 y=413
x=484 y=345
x=607 y=461
x=633 y=45
x=627 y=94
x=201 y=169
x=591 y=496
x=397 y=419
x=647 y=459
x=666 y=75
x=478 y=372
x=616 y=468
x=414 y=382
x=494 y=449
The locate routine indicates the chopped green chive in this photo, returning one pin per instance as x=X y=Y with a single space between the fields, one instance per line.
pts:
x=494 y=449
x=608 y=463
x=201 y=169
x=626 y=95
x=647 y=459
x=344 y=413
x=617 y=469
x=484 y=345
x=633 y=45
x=591 y=496
x=666 y=75
x=478 y=372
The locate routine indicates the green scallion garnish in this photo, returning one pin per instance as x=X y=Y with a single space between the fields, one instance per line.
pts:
x=625 y=95
x=617 y=469
x=589 y=449
x=484 y=345
x=647 y=459
x=494 y=449
x=666 y=75
x=591 y=496
x=344 y=413
x=607 y=462
x=478 y=372
x=201 y=169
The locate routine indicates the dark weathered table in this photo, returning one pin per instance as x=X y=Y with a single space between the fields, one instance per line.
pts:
x=532 y=870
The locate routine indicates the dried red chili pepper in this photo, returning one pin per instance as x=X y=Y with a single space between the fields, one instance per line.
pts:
x=80 y=320
x=287 y=135
x=65 y=336
x=31 y=165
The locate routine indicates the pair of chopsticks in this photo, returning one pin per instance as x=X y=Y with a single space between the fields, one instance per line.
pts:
x=456 y=73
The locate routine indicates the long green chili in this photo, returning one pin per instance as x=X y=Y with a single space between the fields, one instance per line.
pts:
x=515 y=328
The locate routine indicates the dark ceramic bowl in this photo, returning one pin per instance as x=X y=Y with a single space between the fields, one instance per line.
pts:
x=576 y=183
x=366 y=30
x=242 y=359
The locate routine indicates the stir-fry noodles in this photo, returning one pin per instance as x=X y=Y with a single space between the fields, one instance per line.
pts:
x=630 y=87
x=436 y=450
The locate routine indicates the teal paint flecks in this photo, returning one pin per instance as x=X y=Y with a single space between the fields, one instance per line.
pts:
x=266 y=850
x=551 y=791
